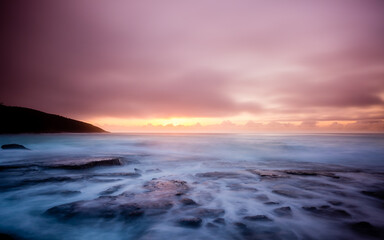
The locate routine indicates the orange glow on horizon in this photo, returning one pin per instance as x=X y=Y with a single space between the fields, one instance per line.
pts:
x=231 y=124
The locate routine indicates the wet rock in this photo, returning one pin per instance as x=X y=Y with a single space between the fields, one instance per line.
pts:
x=271 y=203
x=161 y=204
x=105 y=180
x=310 y=173
x=243 y=229
x=190 y=222
x=211 y=225
x=208 y=212
x=262 y=197
x=217 y=175
x=219 y=221
x=112 y=189
x=38 y=180
x=286 y=173
x=5 y=236
x=69 y=193
x=376 y=194
x=14 y=146
x=327 y=211
x=137 y=170
x=52 y=179
x=270 y=233
x=335 y=202
x=285 y=193
x=261 y=218
x=175 y=186
x=105 y=208
x=17 y=166
x=315 y=185
x=366 y=229
x=116 y=174
x=240 y=225
x=188 y=201
x=86 y=163
x=155 y=170
x=62 y=193
x=239 y=187
x=291 y=193
x=157 y=200
x=283 y=211
x=268 y=173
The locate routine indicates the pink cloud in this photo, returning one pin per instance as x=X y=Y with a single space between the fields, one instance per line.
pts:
x=306 y=61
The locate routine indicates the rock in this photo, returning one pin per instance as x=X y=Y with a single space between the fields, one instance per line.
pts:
x=17 y=166
x=14 y=146
x=301 y=173
x=271 y=203
x=285 y=193
x=112 y=189
x=188 y=201
x=239 y=187
x=137 y=170
x=38 y=180
x=116 y=174
x=366 y=229
x=211 y=225
x=95 y=209
x=86 y=163
x=257 y=218
x=208 y=212
x=286 y=173
x=262 y=197
x=310 y=173
x=291 y=193
x=157 y=200
x=217 y=175
x=376 y=194
x=62 y=193
x=335 y=202
x=327 y=211
x=156 y=170
x=268 y=173
x=244 y=230
x=26 y=120
x=219 y=221
x=283 y=211
x=190 y=222
x=4 y=236
x=104 y=180
x=175 y=186
x=69 y=193
x=52 y=179
x=240 y=225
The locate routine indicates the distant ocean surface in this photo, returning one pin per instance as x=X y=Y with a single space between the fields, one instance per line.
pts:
x=193 y=186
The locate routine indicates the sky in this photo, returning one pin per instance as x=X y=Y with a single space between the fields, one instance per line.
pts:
x=198 y=65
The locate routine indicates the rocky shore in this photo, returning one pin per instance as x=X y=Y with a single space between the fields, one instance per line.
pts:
x=129 y=195
x=266 y=199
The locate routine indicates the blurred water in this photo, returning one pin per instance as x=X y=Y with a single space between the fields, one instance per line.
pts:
x=357 y=159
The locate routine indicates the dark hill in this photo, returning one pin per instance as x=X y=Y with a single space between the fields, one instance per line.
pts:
x=26 y=120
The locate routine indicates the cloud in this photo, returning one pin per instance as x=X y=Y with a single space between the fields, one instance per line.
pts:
x=252 y=127
x=275 y=61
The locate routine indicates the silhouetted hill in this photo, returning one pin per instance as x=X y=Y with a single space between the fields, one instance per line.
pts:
x=26 y=120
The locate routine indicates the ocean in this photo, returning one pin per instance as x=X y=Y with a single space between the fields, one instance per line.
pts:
x=192 y=186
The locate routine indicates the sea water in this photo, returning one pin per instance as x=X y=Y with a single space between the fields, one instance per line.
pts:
x=327 y=186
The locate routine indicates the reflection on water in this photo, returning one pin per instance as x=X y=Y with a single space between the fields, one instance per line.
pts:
x=193 y=186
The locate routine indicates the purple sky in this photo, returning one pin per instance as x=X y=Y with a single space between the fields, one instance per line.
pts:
x=263 y=61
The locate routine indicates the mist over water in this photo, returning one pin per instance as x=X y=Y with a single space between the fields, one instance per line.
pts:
x=238 y=186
